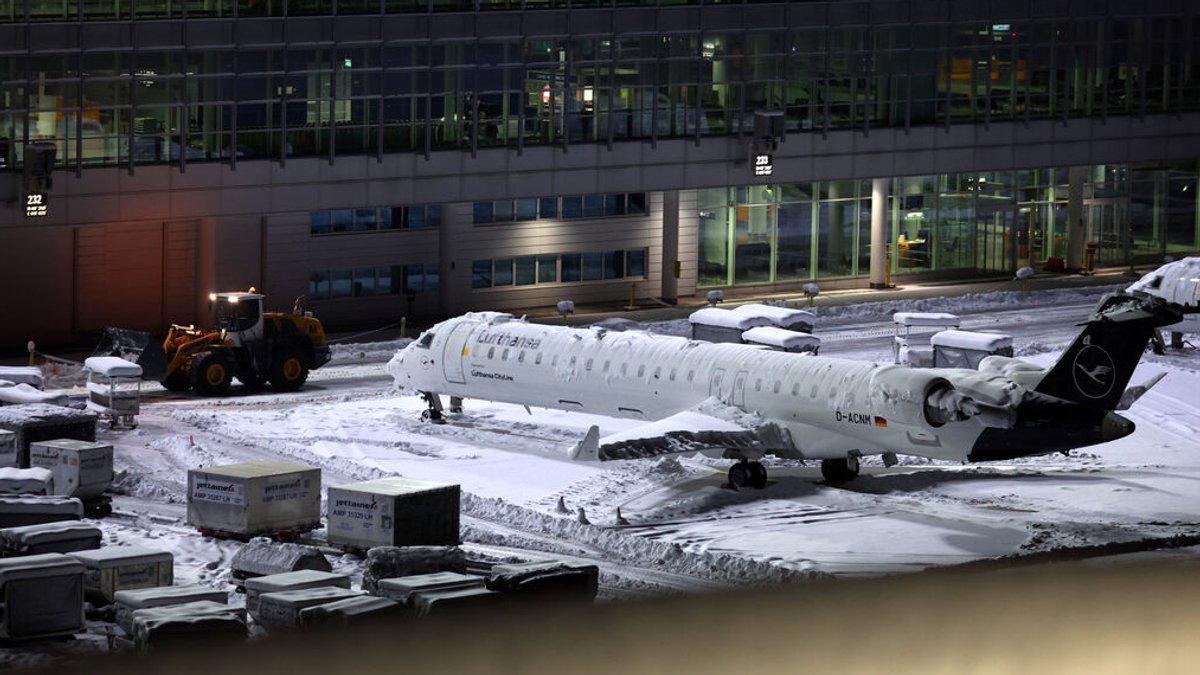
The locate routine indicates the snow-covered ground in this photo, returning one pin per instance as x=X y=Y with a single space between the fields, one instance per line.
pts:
x=685 y=531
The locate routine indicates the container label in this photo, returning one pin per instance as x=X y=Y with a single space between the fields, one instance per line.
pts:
x=218 y=491
x=284 y=489
x=355 y=512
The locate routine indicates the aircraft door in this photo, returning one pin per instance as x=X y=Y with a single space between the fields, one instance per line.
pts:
x=454 y=352
x=739 y=389
x=714 y=384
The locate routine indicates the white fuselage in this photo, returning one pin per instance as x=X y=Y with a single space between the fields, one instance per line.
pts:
x=830 y=407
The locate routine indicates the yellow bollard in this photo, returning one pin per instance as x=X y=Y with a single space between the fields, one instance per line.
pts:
x=404 y=326
x=632 y=288
x=30 y=346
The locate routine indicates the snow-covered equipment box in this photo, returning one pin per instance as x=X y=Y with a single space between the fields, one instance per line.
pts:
x=33 y=422
x=111 y=569
x=393 y=511
x=20 y=511
x=723 y=325
x=261 y=557
x=8 y=448
x=242 y=500
x=30 y=375
x=186 y=625
x=37 y=481
x=557 y=581
x=81 y=469
x=782 y=339
x=402 y=589
x=352 y=612
x=61 y=537
x=42 y=597
x=282 y=608
x=781 y=317
x=290 y=581
x=114 y=389
x=454 y=601
x=389 y=562
x=1177 y=282
x=130 y=601
x=965 y=349
x=911 y=324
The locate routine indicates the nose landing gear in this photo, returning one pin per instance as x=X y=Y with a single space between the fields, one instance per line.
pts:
x=434 y=412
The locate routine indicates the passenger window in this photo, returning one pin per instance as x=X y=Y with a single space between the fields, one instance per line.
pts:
x=691 y=375
x=491 y=352
x=813 y=393
x=624 y=369
x=658 y=372
x=587 y=365
x=554 y=361
x=672 y=378
x=641 y=371
x=796 y=389
x=606 y=366
x=504 y=355
x=521 y=357
x=537 y=361
x=776 y=387
x=571 y=363
x=758 y=384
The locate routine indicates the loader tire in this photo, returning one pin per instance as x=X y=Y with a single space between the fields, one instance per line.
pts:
x=177 y=381
x=211 y=375
x=289 y=372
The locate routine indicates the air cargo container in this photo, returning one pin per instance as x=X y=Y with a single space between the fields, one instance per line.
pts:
x=243 y=500
x=81 y=469
x=130 y=601
x=551 y=580
x=42 y=597
x=261 y=557
x=25 y=510
x=782 y=339
x=36 y=481
x=187 y=625
x=8 y=448
x=117 y=568
x=393 y=511
x=454 y=601
x=282 y=609
x=352 y=612
x=61 y=537
x=402 y=589
x=290 y=581
x=781 y=317
x=33 y=422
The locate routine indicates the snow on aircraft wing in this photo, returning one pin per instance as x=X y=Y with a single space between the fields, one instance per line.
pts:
x=709 y=426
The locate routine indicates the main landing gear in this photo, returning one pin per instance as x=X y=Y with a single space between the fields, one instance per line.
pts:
x=748 y=474
x=840 y=470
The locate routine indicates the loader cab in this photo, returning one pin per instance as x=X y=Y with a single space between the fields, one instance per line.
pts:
x=239 y=315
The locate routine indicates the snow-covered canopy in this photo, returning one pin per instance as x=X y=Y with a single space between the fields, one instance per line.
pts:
x=727 y=318
x=966 y=339
x=780 y=337
x=112 y=366
x=925 y=319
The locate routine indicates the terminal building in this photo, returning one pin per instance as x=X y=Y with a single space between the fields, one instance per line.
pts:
x=420 y=158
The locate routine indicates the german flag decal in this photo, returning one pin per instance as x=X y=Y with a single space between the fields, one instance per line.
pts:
x=880 y=422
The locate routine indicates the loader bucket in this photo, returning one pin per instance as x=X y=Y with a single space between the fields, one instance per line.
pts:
x=137 y=346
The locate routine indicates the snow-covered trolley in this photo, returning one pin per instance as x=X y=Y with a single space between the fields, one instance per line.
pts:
x=114 y=389
x=722 y=325
x=965 y=349
x=911 y=324
x=782 y=339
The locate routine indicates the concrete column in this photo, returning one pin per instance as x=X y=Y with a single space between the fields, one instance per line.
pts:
x=206 y=267
x=670 y=246
x=1077 y=220
x=879 y=232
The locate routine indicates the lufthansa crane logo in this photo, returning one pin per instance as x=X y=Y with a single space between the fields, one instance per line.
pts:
x=1094 y=371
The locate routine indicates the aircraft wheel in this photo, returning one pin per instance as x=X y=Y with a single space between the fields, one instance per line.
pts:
x=211 y=375
x=432 y=416
x=840 y=470
x=758 y=475
x=739 y=475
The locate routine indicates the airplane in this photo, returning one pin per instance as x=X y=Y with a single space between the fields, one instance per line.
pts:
x=742 y=402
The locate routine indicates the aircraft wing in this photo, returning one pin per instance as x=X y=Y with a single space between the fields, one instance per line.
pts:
x=710 y=426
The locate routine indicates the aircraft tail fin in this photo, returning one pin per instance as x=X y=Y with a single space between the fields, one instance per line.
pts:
x=1096 y=368
x=588 y=449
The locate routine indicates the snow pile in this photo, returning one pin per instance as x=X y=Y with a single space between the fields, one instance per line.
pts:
x=366 y=352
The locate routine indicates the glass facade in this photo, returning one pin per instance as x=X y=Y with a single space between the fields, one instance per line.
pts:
x=129 y=106
x=990 y=222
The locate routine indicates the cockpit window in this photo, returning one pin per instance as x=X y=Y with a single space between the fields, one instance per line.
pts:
x=426 y=340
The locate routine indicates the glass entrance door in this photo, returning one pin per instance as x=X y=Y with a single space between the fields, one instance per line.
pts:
x=1108 y=226
x=996 y=239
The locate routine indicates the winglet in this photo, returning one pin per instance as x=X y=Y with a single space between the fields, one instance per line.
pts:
x=588 y=449
x=1135 y=392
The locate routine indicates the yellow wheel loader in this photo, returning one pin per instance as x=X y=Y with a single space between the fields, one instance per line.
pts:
x=252 y=345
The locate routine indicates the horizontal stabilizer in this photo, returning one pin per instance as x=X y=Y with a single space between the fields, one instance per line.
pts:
x=1135 y=392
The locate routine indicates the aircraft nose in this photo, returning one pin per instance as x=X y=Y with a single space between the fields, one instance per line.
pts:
x=1113 y=426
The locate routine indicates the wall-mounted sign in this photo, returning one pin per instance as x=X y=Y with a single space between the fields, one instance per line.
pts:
x=35 y=205
x=763 y=165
